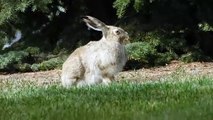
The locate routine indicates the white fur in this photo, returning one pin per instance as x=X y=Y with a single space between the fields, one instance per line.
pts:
x=98 y=61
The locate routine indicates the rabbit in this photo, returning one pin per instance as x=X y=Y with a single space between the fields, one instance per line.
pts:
x=98 y=61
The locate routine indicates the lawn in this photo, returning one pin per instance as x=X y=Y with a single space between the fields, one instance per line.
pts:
x=173 y=99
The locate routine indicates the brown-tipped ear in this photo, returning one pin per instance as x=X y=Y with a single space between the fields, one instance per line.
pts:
x=94 y=23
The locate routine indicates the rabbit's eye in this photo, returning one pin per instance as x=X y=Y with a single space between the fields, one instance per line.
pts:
x=117 y=32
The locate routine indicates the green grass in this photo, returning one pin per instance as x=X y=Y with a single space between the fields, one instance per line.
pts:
x=182 y=100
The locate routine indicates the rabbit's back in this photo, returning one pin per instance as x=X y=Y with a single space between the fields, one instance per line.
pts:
x=72 y=69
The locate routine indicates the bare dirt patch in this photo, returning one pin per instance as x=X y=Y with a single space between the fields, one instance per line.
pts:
x=195 y=68
x=53 y=76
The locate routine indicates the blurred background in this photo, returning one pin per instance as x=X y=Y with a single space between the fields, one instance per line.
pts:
x=37 y=35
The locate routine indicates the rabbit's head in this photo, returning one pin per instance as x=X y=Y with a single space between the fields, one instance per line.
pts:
x=111 y=33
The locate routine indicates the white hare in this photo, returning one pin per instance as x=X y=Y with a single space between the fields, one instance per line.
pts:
x=97 y=61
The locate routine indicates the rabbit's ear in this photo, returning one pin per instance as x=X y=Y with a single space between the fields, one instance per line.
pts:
x=94 y=23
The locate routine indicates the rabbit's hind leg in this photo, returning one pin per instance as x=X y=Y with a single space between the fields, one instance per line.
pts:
x=92 y=78
x=68 y=81
x=107 y=80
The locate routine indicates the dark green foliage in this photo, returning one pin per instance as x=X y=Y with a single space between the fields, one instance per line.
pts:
x=51 y=26
x=49 y=64
x=10 y=60
x=176 y=18
x=30 y=60
x=22 y=67
x=155 y=48
x=12 y=17
x=194 y=56
x=140 y=54
x=175 y=10
x=122 y=5
x=9 y=9
x=33 y=50
x=159 y=48
x=141 y=51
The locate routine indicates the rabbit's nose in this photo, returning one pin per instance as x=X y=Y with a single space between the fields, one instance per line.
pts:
x=126 y=40
x=127 y=37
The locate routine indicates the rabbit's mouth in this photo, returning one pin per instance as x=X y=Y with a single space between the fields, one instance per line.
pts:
x=125 y=40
